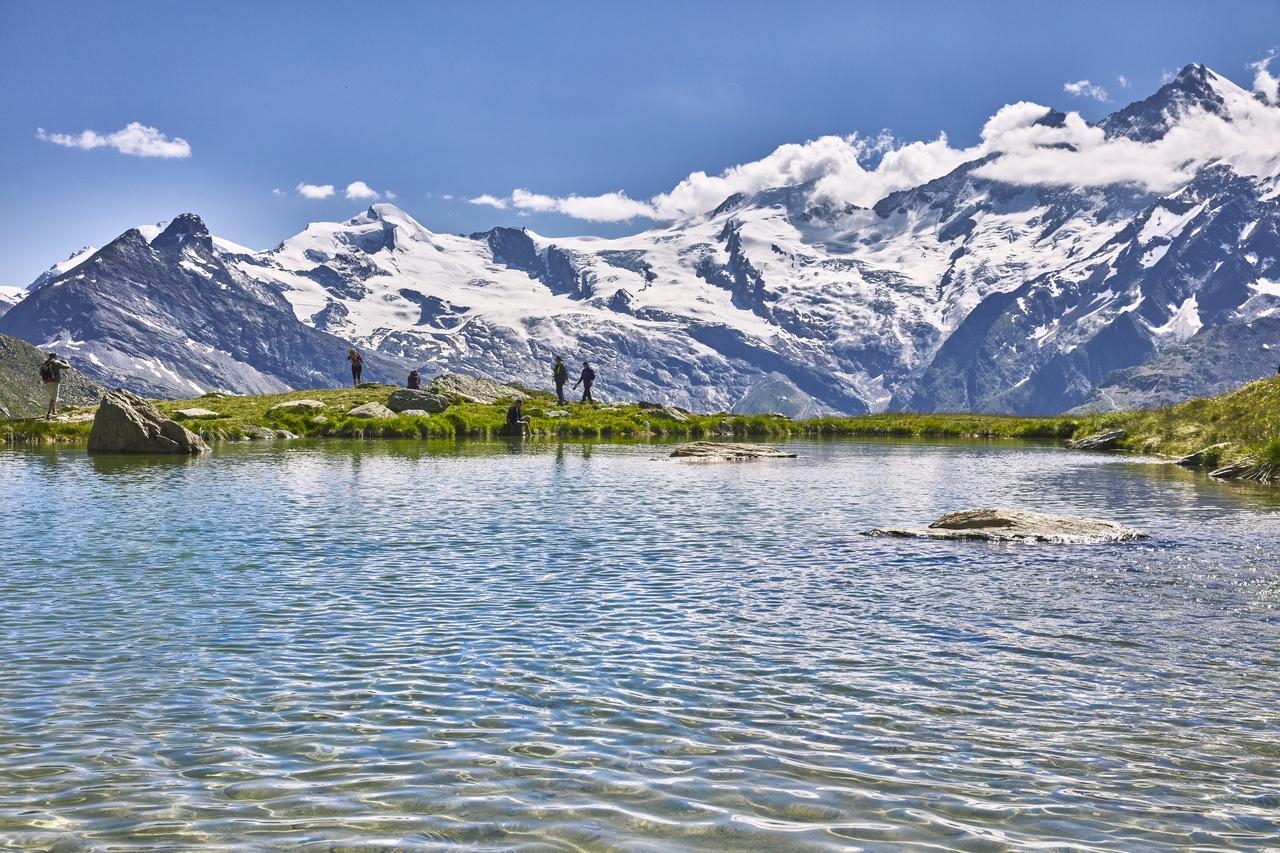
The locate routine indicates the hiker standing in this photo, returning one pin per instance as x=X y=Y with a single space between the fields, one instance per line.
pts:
x=353 y=356
x=560 y=374
x=415 y=381
x=51 y=376
x=588 y=376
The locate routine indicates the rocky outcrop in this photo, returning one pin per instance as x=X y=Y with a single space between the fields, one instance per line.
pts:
x=126 y=423
x=473 y=389
x=1012 y=525
x=1249 y=468
x=407 y=399
x=1105 y=440
x=1205 y=456
x=719 y=451
x=371 y=410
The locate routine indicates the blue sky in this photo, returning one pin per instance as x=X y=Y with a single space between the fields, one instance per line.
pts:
x=442 y=103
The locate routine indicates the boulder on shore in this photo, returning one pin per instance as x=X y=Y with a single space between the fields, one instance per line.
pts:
x=1013 y=525
x=1202 y=457
x=1105 y=440
x=721 y=451
x=473 y=389
x=300 y=406
x=405 y=399
x=371 y=410
x=126 y=423
x=195 y=414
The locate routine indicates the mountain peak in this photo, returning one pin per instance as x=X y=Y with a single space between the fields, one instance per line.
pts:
x=185 y=229
x=1195 y=88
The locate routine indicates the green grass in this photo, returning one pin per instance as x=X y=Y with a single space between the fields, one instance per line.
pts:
x=1247 y=421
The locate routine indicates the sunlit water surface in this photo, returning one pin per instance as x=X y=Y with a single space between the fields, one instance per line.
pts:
x=558 y=647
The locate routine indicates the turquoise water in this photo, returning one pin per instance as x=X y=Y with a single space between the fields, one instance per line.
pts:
x=587 y=647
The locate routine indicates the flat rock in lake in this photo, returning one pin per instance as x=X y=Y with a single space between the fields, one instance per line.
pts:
x=725 y=451
x=1013 y=525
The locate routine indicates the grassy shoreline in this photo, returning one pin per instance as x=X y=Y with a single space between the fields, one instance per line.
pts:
x=1246 y=423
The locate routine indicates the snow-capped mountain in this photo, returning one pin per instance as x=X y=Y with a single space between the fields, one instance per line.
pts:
x=1028 y=275
x=167 y=316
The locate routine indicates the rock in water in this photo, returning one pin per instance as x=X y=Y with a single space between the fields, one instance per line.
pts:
x=126 y=423
x=1012 y=525
x=1106 y=440
x=728 y=451
x=404 y=399
x=473 y=389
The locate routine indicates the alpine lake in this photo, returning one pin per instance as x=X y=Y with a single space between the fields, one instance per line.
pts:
x=349 y=645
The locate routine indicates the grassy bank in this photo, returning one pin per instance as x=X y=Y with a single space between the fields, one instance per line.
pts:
x=1246 y=421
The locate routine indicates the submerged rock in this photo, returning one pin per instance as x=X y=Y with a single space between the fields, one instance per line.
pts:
x=126 y=423
x=1105 y=440
x=406 y=399
x=722 y=451
x=1013 y=525
x=473 y=389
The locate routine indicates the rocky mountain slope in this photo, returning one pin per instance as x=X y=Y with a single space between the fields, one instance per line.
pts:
x=1046 y=267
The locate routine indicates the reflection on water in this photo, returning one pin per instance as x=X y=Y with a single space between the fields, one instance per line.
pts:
x=575 y=646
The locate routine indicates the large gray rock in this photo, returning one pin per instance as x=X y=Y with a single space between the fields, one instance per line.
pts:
x=126 y=423
x=1012 y=525
x=1248 y=468
x=720 y=451
x=473 y=389
x=405 y=399
x=371 y=410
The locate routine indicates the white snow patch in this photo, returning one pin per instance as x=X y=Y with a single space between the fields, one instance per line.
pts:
x=1184 y=323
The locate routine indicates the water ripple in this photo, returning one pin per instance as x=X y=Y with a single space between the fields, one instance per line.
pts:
x=578 y=647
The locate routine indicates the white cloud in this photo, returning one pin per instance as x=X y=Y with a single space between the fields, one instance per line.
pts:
x=1123 y=81
x=360 y=191
x=278 y=193
x=862 y=170
x=491 y=201
x=1166 y=76
x=447 y=196
x=1085 y=89
x=1264 y=83
x=135 y=138
x=389 y=195
x=315 y=191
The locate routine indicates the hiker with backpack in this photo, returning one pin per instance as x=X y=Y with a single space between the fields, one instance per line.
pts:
x=415 y=381
x=51 y=376
x=560 y=374
x=588 y=376
x=353 y=356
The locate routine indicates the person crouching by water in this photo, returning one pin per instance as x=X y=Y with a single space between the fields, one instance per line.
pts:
x=560 y=373
x=51 y=376
x=415 y=381
x=517 y=420
x=353 y=356
x=588 y=376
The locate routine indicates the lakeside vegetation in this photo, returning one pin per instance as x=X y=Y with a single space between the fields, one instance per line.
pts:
x=1245 y=422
